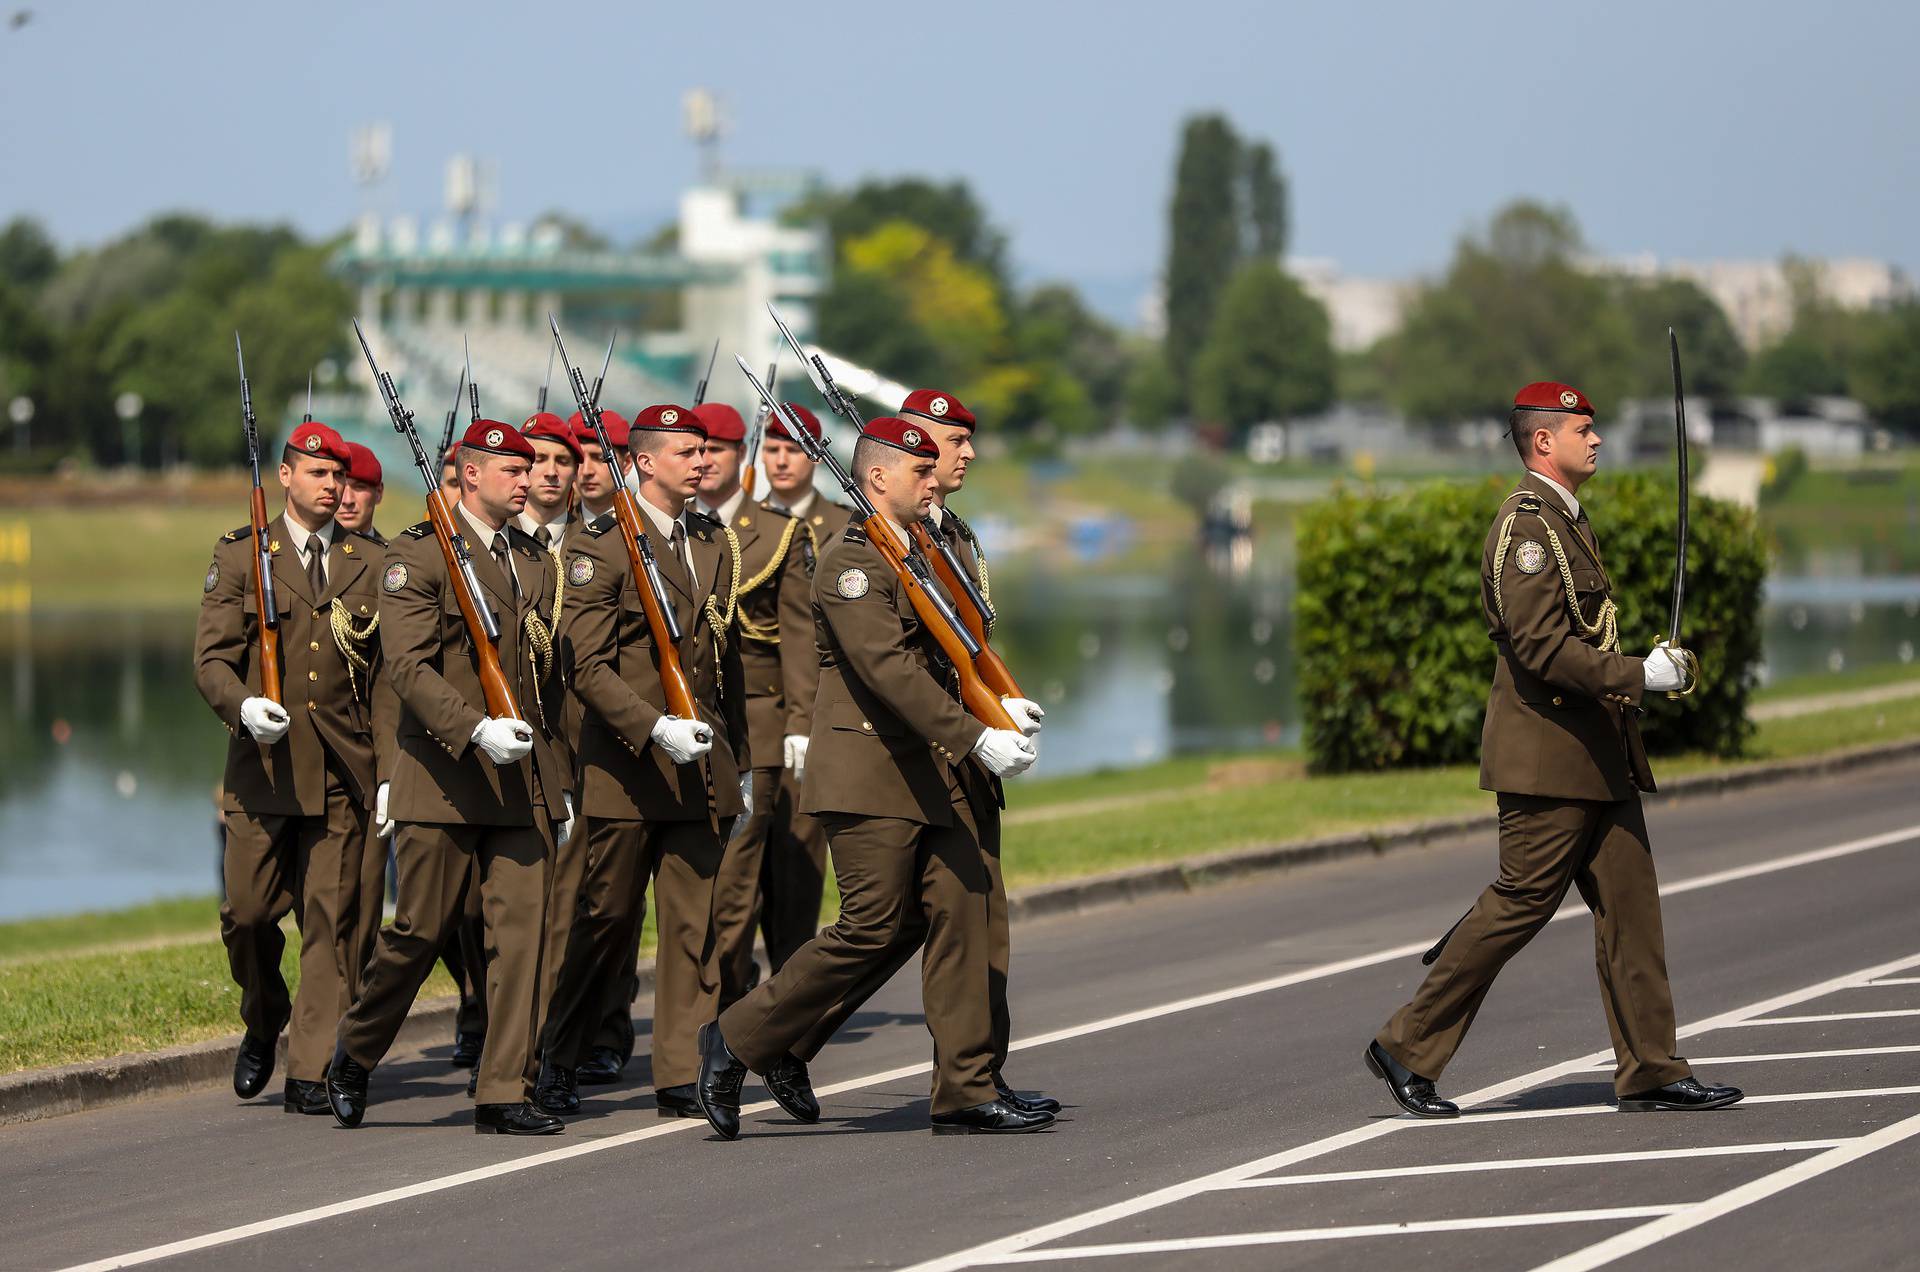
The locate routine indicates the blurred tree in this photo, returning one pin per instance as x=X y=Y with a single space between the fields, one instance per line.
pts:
x=28 y=257
x=1052 y=324
x=1204 y=237
x=1269 y=355
x=1515 y=306
x=956 y=303
x=1152 y=394
x=1711 y=353
x=1798 y=365
x=1886 y=374
x=868 y=319
x=575 y=234
x=1266 y=202
x=949 y=212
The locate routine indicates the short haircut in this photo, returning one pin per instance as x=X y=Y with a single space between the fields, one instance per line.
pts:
x=1526 y=421
x=292 y=455
x=871 y=452
x=651 y=441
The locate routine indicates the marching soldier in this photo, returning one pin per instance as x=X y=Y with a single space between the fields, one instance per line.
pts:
x=1562 y=750
x=468 y=786
x=776 y=650
x=361 y=489
x=886 y=776
x=592 y=482
x=299 y=782
x=658 y=792
x=556 y=467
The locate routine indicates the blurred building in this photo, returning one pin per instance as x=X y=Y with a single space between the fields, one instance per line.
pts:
x=1758 y=296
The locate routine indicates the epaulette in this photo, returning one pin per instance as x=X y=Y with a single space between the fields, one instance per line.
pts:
x=601 y=524
x=520 y=538
x=694 y=514
x=234 y=536
x=420 y=531
x=372 y=536
x=854 y=533
x=778 y=512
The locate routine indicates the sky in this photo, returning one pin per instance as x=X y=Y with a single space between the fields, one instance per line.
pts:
x=1689 y=130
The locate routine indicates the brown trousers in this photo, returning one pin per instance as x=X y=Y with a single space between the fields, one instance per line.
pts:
x=566 y=882
x=370 y=903
x=1547 y=845
x=309 y=867
x=434 y=861
x=773 y=874
x=682 y=858
x=999 y=955
x=895 y=876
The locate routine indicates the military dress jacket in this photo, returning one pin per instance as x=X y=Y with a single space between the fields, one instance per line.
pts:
x=1563 y=714
x=890 y=738
x=606 y=641
x=439 y=775
x=329 y=660
x=777 y=657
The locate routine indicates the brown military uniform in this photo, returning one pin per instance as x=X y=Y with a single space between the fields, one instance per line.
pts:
x=886 y=774
x=1562 y=749
x=645 y=816
x=782 y=672
x=297 y=811
x=453 y=806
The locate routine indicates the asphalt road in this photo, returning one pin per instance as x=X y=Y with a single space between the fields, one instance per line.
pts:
x=1219 y=1117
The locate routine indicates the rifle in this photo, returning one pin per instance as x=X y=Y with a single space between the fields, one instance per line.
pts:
x=269 y=610
x=544 y=383
x=654 y=601
x=482 y=627
x=700 y=389
x=969 y=601
x=753 y=435
x=908 y=561
x=473 y=385
x=446 y=434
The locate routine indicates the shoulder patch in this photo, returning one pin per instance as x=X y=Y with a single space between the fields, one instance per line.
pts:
x=235 y=535
x=395 y=578
x=601 y=524
x=851 y=584
x=1530 y=557
x=579 y=570
x=420 y=531
x=213 y=577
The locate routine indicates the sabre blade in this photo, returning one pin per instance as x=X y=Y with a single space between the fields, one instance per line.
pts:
x=1680 y=435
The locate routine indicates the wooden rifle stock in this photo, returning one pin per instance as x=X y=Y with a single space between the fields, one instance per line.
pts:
x=493 y=679
x=666 y=651
x=975 y=694
x=993 y=669
x=269 y=624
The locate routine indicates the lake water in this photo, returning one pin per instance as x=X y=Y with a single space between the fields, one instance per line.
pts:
x=108 y=757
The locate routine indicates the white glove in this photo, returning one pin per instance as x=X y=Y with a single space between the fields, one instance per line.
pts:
x=1663 y=669
x=793 y=752
x=381 y=826
x=1004 y=752
x=1026 y=714
x=504 y=739
x=746 y=795
x=565 y=830
x=684 y=740
x=265 y=719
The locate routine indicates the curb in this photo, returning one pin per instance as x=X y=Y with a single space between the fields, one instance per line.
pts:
x=95 y=1084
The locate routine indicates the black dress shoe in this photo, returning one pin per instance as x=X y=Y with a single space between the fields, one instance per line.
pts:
x=253 y=1066
x=514 y=1119
x=347 y=1088
x=1685 y=1096
x=792 y=1088
x=1035 y=1103
x=466 y=1050
x=721 y=1075
x=995 y=1117
x=678 y=1101
x=555 y=1093
x=601 y=1068
x=1410 y=1091
x=305 y=1097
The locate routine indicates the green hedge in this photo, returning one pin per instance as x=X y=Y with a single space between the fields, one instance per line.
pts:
x=1394 y=657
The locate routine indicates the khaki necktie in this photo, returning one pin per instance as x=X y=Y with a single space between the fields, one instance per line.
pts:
x=505 y=563
x=316 y=568
x=677 y=541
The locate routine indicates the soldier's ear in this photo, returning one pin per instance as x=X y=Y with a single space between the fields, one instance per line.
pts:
x=286 y=474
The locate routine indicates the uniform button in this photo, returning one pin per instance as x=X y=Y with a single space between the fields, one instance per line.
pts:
x=867 y=725
x=314 y=645
x=316 y=613
x=313 y=706
x=1558 y=701
x=314 y=675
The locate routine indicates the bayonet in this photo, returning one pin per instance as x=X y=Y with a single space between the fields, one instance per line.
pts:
x=547 y=381
x=453 y=412
x=473 y=386
x=308 y=418
x=700 y=389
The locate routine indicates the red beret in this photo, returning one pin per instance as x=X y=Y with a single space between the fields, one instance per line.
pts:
x=1551 y=395
x=317 y=439
x=363 y=464
x=941 y=408
x=669 y=419
x=547 y=425
x=777 y=426
x=447 y=460
x=496 y=438
x=723 y=422
x=616 y=425
x=902 y=435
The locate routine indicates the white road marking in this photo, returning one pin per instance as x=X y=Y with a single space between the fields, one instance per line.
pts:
x=1582 y=1110
x=1536 y=1163
x=1618 y=1247
x=997 y=1250
x=351 y=1205
x=1293 y=1236
x=1835 y=1054
x=1892 y=980
x=1829 y=1018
